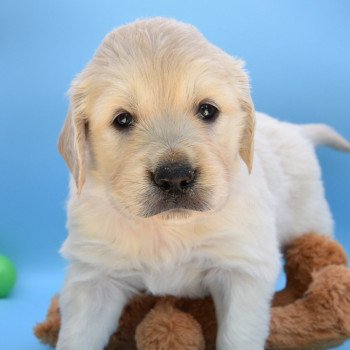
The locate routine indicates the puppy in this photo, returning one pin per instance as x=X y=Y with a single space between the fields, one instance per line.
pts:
x=159 y=139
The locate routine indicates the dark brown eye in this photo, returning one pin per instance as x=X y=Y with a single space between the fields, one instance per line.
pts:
x=208 y=112
x=123 y=120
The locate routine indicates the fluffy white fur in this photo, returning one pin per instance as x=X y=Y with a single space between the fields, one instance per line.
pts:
x=159 y=69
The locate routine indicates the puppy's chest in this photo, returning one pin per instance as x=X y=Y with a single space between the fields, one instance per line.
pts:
x=181 y=279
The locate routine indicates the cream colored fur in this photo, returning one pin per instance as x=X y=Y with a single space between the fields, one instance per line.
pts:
x=160 y=71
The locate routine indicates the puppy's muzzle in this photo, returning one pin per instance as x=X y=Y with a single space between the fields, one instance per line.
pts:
x=174 y=178
x=174 y=186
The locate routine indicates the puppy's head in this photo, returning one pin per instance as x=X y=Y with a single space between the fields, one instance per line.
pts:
x=159 y=118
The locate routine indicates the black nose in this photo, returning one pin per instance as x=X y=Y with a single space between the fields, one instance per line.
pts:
x=177 y=177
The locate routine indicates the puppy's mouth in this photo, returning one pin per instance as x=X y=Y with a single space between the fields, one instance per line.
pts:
x=172 y=203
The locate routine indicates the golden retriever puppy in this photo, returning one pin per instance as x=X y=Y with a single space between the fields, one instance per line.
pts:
x=165 y=199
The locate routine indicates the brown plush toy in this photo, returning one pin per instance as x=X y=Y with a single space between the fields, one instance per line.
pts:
x=312 y=312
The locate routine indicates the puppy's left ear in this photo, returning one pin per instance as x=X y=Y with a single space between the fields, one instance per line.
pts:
x=246 y=150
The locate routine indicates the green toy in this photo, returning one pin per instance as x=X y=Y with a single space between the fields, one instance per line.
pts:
x=7 y=276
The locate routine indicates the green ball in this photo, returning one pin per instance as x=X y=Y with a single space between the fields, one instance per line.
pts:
x=7 y=276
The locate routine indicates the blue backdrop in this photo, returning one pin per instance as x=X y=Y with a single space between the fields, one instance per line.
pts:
x=297 y=53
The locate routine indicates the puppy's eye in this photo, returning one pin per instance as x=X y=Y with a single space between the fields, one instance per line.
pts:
x=208 y=112
x=123 y=120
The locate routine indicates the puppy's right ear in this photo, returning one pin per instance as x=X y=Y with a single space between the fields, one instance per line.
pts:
x=71 y=145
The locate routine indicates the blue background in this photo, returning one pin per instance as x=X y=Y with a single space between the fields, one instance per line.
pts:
x=297 y=53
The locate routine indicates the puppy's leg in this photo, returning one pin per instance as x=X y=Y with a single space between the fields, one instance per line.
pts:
x=90 y=309
x=243 y=308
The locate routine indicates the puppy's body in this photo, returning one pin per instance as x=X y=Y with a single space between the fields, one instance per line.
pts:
x=120 y=242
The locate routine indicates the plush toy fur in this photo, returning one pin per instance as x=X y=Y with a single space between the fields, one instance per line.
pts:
x=312 y=312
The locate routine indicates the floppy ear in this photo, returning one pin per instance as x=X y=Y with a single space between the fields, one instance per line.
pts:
x=246 y=150
x=71 y=145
